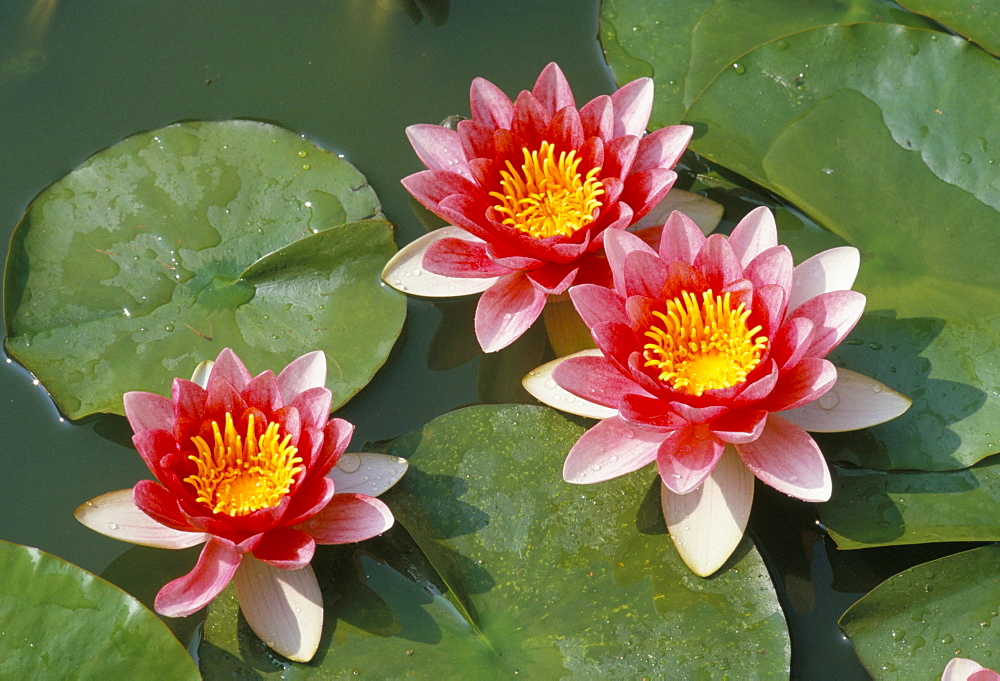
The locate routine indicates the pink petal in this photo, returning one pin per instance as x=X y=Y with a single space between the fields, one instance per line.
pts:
x=648 y=411
x=794 y=337
x=349 y=518
x=681 y=240
x=188 y=594
x=834 y=314
x=786 y=458
x=553 y=279
x=451 y=257
x=662 y=148
x=590 y=376
x=228 y=367
x=285 y=548
x=831 y=270
x=771 y=266
x=439 y=148
x=530 y=120
x=430 y=187
x=718 y=263
x=806 y=381
x=188 y=399
x=617 y=245
x=739 y=427
x=153 y=446
x=283 y=607
x=687 y=456
x=405 y=270
x=707 y=523
x=755 y=233
x=540 y=384
x=566 y=129
x=262 y=393
x=148 y=411
x=313 y=404
x=610 y=449
x=551 y=89
x=506 y=310
x=633 y=103
x=598 y=118
x=596 y=304
x=309 y=499
x=303 y=373
x=160 y=505
x=489 y=104
x=619 y=156
x=115 y=515
x=643 y=190
x=759 y=387
x=644 y=275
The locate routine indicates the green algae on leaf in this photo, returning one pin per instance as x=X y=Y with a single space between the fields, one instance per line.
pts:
x=59 y=621
x=501 y=568
x=160 y=251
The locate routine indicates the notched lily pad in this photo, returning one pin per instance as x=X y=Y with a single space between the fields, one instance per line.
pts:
x=59 y=621
x=161 y=250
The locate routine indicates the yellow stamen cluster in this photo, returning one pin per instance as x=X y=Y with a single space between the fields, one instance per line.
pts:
x=548 y=196
x=242 y=475
x=704 y=346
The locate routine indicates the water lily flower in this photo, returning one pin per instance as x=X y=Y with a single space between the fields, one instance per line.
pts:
x=253 y=468
x=962 y=669
x=530 y=187
x=710 y=362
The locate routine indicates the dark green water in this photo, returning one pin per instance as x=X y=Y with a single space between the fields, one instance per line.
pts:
x=77 y=77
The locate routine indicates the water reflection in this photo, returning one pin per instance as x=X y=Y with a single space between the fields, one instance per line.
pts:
x=27 y=52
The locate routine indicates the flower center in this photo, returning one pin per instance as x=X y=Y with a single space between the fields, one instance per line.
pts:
x=242 y=475
x=548 y=197
x=703 y=346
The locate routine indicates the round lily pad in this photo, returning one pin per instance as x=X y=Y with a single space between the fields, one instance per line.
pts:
x=160 y=251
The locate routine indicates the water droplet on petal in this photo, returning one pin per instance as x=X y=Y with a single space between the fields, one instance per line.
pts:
x=349 y=463
x=550 y=384
x=112 y=526
x=595 y=467
x=877 y=388
x=830 y=400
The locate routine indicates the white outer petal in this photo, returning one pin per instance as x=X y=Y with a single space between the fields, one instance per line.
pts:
x=202 y=372
x=367 y=473
x=567 y=332
x=705 y=212
x=405 y=271
x=959 y=669
x=855 y=401
x=708 y=523
x=542 y=387
x=832 y=270
x=115 y=515
x=283 y=607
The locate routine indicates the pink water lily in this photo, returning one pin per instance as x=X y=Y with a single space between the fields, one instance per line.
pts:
x=248 y=466
x=530 y=187
x=963 y=669
x=710 y=362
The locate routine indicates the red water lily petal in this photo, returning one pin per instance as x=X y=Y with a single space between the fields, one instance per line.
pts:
x=594 y=379
x=806 y=381
x=305 y=373
x=788 y=459
x=598 y=118
x=188 y=399
x=610 y=449
x=551 y=89
x=739 y=427
x=349 y=518
x=439 y=148
x=285 y=548
x=489 y=104
x=506 y=310
x=792 y=340
x=566 y=130
x=596 y=304
x=452 y=257
x=617 y=246
x=682 y=277
x=633 y=103
x=662 y=148
x=148 y=411
x=616 y=341
x=760 y=386
x=834 y=315
x=771 y=266
x=313 y=406
x=229 y=368
x=619 y=156
x=477 y=139
x=529 y=122
x=309 y=499
x=717 y=262
x=336 y=436
x=681 y=239
x=754 y=234
x=645 y=189
x=160 y=505
x=553 y=279
x=153 y=446
x=644 y=274
x=649 y=411
x=192 y=592
x=687 y=456
x=430 y=187
x=262 y=392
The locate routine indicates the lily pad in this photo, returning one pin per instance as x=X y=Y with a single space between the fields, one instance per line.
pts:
x=911 y=625
x=878 y=508
x=160 y=251
x=976 y=20
x=852 y=125
x=60 y=621
x=505 y=569
x=683 y=45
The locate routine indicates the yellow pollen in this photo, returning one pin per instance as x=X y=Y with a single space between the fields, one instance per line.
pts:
x=703 y=346
x=242 y=475
x=548 y=197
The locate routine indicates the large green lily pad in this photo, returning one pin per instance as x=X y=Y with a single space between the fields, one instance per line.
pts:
x=976 y=20
x=878 y=508
x=911 y=625
x=59 y=621
x=505 y=569
x=160 y=251
x=684 y=44
x=855 y=126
